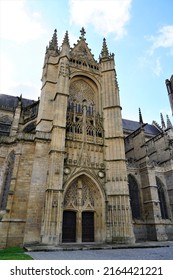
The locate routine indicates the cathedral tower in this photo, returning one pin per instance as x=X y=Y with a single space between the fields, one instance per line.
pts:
x=63 y=176
x=86 y=189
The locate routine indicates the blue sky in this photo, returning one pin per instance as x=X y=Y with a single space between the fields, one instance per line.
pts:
x=139 y=32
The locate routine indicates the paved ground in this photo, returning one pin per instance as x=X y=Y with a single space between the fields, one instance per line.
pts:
x=148 y=253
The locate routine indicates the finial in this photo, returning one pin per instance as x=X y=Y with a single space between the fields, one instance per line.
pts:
x=53 y=44
x=140 y=116
x=83 y=32
x=162 y=122
x=104 y=52
x=169 y=124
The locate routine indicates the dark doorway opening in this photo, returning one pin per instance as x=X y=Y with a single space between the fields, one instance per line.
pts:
x=88 y=226
x=69 y=227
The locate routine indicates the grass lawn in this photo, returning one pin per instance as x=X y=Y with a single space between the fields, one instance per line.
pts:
x=14 y=253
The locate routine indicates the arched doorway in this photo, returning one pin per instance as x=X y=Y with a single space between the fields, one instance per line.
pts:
x=87 y=226
x=69 y=226
x=83 y=214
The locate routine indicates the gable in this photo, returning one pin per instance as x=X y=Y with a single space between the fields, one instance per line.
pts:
x=82 y=53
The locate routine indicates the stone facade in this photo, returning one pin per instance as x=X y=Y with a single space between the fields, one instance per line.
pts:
x=71 y=170
x=150 y=165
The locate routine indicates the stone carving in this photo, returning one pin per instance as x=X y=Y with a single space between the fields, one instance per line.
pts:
x=64 y=69
x=81 y=194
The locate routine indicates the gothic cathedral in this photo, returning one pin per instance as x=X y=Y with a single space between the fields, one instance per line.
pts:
x=71 y=169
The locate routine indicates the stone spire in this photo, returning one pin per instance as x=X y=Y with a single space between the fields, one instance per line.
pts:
x=53 y=44
x=104 y=51
x=140 y=117
x=169 y=124
x=65 y=48
x=66 y=40
x=162 y=122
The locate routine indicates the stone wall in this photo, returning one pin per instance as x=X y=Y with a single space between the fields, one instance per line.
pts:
x=13 y=220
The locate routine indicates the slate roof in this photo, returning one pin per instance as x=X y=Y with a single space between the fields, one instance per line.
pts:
x=131 y=126
x=9 y=102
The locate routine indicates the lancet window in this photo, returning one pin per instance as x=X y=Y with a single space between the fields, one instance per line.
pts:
x=7 y=181
x=162 y=200
x=134 y=197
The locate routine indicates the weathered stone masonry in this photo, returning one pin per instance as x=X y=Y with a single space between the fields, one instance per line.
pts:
x=71 y=169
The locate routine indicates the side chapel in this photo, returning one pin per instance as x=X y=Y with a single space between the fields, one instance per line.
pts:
x=71 y=169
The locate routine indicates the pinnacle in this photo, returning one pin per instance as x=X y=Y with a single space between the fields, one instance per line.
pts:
x=169 y=124
x=104 y=52
x=66 y=39
x=53 y=44
x=162 y=122
x=140 y=116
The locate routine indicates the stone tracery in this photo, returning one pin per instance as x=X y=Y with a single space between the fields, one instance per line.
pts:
x=81 y=193
x=82 y=95
x=80 y=90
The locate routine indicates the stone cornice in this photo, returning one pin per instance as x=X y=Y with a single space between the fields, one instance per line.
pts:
x=25 y=137
x=112 y=107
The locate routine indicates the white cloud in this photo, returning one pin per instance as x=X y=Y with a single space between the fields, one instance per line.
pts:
x=16 y=24
x=10 y=85
x=164 y=38
x=106 y=16
x=28 y=90
x=152 y=63
x=157 y=68
x=7 y=71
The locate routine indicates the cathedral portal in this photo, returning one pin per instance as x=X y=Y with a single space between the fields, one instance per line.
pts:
x=83 y=212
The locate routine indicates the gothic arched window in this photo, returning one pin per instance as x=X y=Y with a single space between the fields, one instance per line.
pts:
x=7 y=181
x=161 y=195
x=134 y=197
